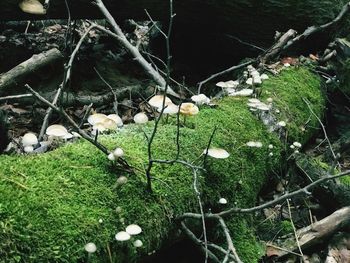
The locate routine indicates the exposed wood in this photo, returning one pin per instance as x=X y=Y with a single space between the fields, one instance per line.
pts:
x=17 y=75
x=317 y=232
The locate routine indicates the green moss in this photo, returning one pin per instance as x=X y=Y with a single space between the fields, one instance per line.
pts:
x=294 y=111
x=51 y=203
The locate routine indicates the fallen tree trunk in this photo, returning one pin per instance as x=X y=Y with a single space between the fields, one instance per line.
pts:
x=71 y=193
x=18 y=75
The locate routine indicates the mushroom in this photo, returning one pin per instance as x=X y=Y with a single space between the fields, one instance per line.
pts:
x=243 y=93
x=116 y=119
x=297 y=144
x=29 y=139
x=228 y=84
x=140 y=118
x=282 y=124
x=122 y=180
x=28 y=148
x=170 y=109
x=122 y=236
x=111 y=157
x=188 y=109
x=254 y=144
x=138 y=243
x=222 y=201
x=133 y=229
x=57 y=130
x=32 y=7
x=200 y=99
x=109 y=124
x=157 y=101
x=93 y=119
x=90 y=247
x=264 y=76
x=217 y=153
x=118 y=152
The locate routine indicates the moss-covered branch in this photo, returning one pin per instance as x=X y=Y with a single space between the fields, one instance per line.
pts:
x=51 y=204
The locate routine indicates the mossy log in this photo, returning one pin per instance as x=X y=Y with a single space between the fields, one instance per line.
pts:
x=51 y=204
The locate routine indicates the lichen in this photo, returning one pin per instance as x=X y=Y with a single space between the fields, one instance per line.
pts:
x=51 y=203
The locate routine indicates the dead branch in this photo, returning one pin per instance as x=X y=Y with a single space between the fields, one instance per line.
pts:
x=235 y=210
x=317 y=232
x=119 y=35
x=17 y=75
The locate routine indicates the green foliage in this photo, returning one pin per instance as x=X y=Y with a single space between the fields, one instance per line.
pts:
x=51 y=203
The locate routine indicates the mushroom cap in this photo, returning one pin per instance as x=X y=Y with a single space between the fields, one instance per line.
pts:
x=228 y=84
x=249 y=81
x=217 y=153
x=282 y=123
x=99 y=126
x=96 y=118
x=29 y=139
x=189 y=109
x=32 y=7
x=264 y=76
x=222 y=201
x=133 y=229
x=109 y=124
x=116 y=118
x=170 y=109
x=253 y=100
x=140 y=118
x=157 y=101
x=200 y=99
x=122 y=180
x=297 y=144
x=90 y=247
x=111 y=157
x=56 y=130
x=138 y=243
x=28 y=149
x=243 y=93
x=118 y=152
x=262 y=107
x=122 y=236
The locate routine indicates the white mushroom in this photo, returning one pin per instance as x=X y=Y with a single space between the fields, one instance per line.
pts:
x=282 y=124
x=28 y=149
x=122 y=180
x=228 y=84
x=254 y=144
x=200 y=99
x=249 y=81
x=109 y=124
x=217 y=153
x=138 y=243
x=297 y=144
x=264 y=76
x=188 y=109
x=29 y=139
x=93 y=119
x=32 y=7
x=170 y=109
x=157 y=101
x=56 y=130
x=133 y=229
x=116 y=119
x=111 y=157
x=90 y=248
x=222 y=201
x=243 y=93
x=140 y=118
x=118 y=152
x=122 y=236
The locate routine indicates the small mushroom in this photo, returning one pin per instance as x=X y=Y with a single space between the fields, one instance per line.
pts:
x=133 y=229
x=222 y=201
x=228 y=84
x=56 y=130
x=29 y=139
x=188 y=109
x=281 y=124
x=118 y=152
x=96 y=118
x=170 y=109
x=32 y=7
x=116 y=119
x=138 y=243
x=140 y=118
x=90 y=247
x=243 y=93
x=217 y=153
x=157 y=101
x=200 y=99
x=122 y=236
